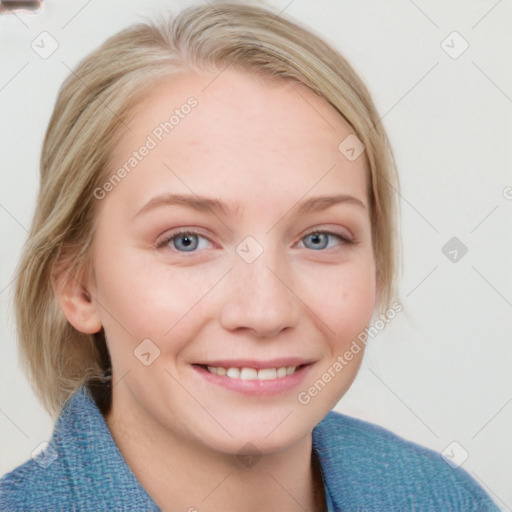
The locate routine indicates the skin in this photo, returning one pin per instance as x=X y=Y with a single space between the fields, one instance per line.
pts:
x=263 y=147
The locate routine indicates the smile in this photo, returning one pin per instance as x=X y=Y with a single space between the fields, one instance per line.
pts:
x=246 y=373
x=255 y=378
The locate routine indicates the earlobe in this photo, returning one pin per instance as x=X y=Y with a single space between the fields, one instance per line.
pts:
x=75 y=301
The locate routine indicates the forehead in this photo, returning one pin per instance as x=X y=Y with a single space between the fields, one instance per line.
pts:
x=230 y=131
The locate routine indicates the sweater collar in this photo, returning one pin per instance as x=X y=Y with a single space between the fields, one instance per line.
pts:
x=83 y=439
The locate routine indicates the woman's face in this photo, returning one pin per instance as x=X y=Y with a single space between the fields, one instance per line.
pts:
x=239 y=239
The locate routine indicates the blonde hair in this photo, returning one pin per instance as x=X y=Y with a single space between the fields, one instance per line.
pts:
x=89 y=117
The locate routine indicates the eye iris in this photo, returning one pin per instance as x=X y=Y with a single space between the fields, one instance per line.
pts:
x=319 y=240
x=190 y=242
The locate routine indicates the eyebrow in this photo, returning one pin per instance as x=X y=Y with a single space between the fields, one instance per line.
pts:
x=208 y=204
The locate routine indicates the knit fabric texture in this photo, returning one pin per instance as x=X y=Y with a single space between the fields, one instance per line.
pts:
x=364 y=467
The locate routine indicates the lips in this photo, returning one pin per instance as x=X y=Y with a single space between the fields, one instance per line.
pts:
x=255 y=377
x=254 y=363
x=249 y=373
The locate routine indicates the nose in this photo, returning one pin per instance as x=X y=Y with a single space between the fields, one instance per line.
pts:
x=259 y=298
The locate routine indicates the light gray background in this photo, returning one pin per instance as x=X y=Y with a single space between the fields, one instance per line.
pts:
x=440 y=372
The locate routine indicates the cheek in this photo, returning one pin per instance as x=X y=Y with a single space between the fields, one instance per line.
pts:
x=141 y=299
x=344 y=299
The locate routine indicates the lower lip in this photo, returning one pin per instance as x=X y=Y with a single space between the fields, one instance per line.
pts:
x=256 y=387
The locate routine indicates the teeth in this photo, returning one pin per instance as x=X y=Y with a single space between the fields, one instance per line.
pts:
x=248 y=374
x=234 y=373
x=268 y=373
x=251 y=373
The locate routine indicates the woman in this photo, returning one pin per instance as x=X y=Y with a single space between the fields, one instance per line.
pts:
x=215 y=229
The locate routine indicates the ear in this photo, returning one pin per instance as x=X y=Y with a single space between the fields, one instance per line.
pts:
x=75 y=299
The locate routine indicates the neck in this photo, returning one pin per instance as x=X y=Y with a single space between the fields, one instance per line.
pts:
x=180 y=475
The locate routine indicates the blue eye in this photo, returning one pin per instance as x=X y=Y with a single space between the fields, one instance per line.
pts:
x=191 y=241
x=319 y=240
x=185 y=241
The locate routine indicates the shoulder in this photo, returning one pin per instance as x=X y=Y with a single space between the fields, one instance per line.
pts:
x=80 y=469
x=47 y=478
x=31 y=484
x=369 y=467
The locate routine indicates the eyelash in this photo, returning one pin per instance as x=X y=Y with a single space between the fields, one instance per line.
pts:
x=177 y=234
x=343 y=239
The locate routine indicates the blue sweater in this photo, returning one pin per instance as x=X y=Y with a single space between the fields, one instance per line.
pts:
x=365 y=468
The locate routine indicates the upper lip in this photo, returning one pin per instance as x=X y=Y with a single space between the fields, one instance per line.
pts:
x=252 y=363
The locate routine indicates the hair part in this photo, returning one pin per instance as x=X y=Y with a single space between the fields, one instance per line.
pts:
x=91 y=114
